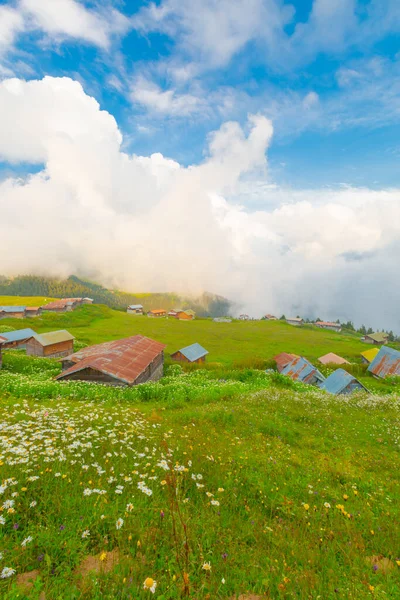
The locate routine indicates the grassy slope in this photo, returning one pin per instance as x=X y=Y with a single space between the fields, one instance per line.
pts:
x=226 y=342
x=310 y=495
x=24 y=300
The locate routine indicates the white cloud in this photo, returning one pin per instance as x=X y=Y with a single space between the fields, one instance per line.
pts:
x=213 y=31
x=11 y=24
x=165 y=102
x=62 y=19
x=147 y=223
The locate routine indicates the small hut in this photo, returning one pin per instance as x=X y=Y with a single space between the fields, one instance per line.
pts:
x=297 y=321
x=135 y=309
x=54 y=344
x=386 y=363
x=300 y=369
x=15 y=312
x=157 y=313
x=191 y=354
x=17 y=339
x=376 y=338
x=368 y=356
x=332 y=359
x=341 y=382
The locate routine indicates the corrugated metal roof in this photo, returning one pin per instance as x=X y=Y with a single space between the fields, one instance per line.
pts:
x=378 y=337
x=333 y=359
x=369 y=355
x=295 y=319
x=62 y=303
x=2 y=339
x=386 y=363
x=283 y=359
x=19 y=335
x=340 y=382
x=32 y=308
x=157 y=311
x=193 y=352
x=327 y=324
x=53 y=337
x=300 y=369
x=133 y=306
x=123 y=359
x=11 y=309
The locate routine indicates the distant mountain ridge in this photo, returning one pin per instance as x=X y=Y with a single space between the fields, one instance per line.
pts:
x=32 y=285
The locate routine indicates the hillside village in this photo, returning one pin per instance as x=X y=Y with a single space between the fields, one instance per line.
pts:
x=139 y=359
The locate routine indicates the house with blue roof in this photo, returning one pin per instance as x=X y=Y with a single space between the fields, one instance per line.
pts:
x=191 y=354
x=135 y=309
x=7 y=312
x=342 y=382
x=17 y=339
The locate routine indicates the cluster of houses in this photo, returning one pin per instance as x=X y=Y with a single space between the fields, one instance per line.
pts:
x=176 y=313
x=384 y=362
x=126 y=362
x=58 y=306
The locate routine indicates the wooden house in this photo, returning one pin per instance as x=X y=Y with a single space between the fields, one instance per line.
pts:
x=135 y=309
x=54 y=344
x=297 y=321
x=124 y=362
x=157 y=313
x=15 y=312
x=185 y=315
x=328 y=325
x=191 y=354
x=17 y=339
x=376 y=338
x=33 y=311
x=63 y=305
x=269 y=318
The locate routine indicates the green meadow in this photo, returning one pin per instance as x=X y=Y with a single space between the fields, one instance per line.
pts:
x=223 y=482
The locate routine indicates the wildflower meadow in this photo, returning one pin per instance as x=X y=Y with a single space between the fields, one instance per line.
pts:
x=208 y=484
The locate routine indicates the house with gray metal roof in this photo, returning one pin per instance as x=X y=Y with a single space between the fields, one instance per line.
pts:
x=386 y=363
x=300 y=369
x=135 y=309
x=54 y=344
x=342 y=382
x=192 y=354
x=12 y=311
x=17 y=339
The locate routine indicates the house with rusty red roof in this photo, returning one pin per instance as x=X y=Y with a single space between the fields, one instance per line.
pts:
x=328 y=325
x=126 y=362
x=283 y=359
x=386 y=363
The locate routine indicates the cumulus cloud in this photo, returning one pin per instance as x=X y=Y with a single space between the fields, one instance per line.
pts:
x=148 y=223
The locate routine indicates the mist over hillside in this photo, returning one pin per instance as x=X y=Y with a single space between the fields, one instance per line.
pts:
x=207 y=304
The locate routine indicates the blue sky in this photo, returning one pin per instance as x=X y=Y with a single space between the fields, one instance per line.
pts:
x=253 y=142
x=326 y=73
